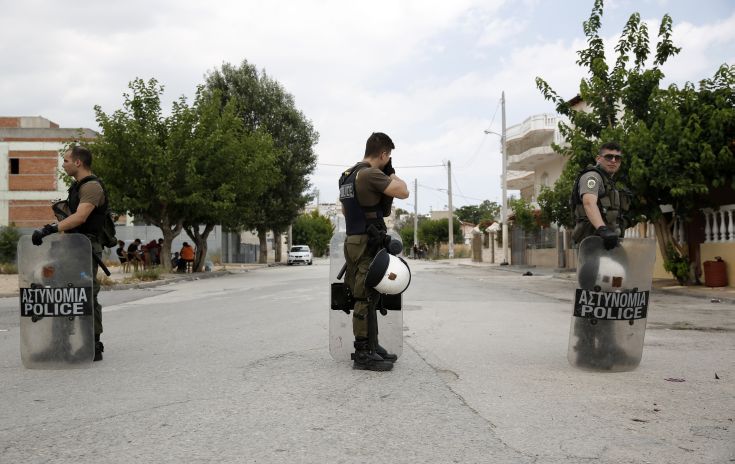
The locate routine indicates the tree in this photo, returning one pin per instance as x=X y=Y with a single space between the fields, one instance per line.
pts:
x=436 y=231
x=661 y=131
x=682 y=151
x=228 y=169
x=9 y=236
x=136 y=156
x=524 y=216
x=485 y=211
x=262 y=103
x=314 y=230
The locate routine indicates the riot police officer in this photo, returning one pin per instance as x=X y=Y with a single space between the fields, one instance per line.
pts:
x=87 y=207
x=366 y=192
x=599 y=207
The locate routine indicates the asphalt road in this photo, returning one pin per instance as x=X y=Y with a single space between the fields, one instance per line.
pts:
x=237 y=369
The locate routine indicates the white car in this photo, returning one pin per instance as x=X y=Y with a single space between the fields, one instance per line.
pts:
x=299 y=254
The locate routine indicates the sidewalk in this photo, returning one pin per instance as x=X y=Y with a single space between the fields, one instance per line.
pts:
x=122 y=281
x=724 y=294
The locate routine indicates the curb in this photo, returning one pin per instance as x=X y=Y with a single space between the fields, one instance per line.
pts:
x=170 y=279
x=705 y=292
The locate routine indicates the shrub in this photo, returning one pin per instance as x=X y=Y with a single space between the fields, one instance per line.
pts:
x=9 y=237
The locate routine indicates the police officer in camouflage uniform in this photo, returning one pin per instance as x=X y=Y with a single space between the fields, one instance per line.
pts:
x=88 y=205
x=600 y=207
x=366 y=192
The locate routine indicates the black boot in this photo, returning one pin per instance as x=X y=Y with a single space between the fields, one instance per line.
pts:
x=385 y=355
x=98 y=348
x=365 y=359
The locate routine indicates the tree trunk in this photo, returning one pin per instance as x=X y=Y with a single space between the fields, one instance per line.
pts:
x=263 y=257
x=200 y=242
x=666 y=239
x=277 y=245
x=170 y=232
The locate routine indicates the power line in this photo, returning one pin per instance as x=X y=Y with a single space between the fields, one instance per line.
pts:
x=443 y=190
x=482 y=142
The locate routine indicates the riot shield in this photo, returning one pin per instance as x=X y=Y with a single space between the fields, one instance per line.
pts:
x=390 y=324
x=56 y=302
x=611 y=304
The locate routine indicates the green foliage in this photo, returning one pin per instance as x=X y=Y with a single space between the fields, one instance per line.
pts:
x=485 y=211
x=406 y=234
x=314 y=230
x=433 y=232
x=9 y=237
x=8 y=268
x=140 y=158
x=221 y=154
x=149 y=274
x=524 y=214
x=677 y=143
x=684 y=148
x=262 y=103
x=618 y=97
x=676 y=264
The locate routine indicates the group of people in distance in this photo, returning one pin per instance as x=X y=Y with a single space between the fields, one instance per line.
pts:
x=420 y=251
x=149 y=255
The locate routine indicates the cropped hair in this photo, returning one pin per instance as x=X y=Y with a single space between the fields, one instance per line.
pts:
x=613 y=146
x=82 y=154
x=377 y=143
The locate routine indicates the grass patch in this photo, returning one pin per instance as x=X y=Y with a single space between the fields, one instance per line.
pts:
x=147 y=275
x=8 y=268
x=104 y=280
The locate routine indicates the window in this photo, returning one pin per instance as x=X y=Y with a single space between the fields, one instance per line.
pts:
x=14 y=166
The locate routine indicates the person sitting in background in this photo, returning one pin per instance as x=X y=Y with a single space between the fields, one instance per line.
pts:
x=134 y=254
x=121 y=254
x=187 y=255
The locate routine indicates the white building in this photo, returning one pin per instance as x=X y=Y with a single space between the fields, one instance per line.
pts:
x=532 y=163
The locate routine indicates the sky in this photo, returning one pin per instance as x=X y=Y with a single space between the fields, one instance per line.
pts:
x=428 y=73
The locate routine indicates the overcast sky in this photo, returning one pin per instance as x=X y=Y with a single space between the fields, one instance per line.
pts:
x=428 y=73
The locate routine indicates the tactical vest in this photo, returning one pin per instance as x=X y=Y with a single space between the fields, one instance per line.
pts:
x=611 y=203
x=95 y=223
x=358 y=217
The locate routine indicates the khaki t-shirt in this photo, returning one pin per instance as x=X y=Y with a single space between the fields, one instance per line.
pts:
x=92 y=193
x=370 y=184
x=590 y=182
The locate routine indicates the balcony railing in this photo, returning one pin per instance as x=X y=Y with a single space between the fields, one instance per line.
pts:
x=536 y=122
x=719 y=226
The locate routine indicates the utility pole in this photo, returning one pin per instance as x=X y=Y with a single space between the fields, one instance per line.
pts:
x=504 y=179
x=416 y=212
x=451 y=214
x=505 y=185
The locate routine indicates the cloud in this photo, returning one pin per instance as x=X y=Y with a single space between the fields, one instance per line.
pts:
x=703 y=49
x=499 y=30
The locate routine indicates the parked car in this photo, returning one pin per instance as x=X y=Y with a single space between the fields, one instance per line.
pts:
x=299 y=254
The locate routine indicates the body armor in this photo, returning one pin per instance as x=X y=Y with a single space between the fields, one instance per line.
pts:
x=612 y=204
x=358 y=217
x=95 y=223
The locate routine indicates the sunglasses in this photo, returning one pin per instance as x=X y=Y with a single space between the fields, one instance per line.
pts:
x=610 y=157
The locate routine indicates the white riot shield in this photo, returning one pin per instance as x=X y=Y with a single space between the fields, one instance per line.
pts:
x=341 y=337
x=56 y=302
x=611 y=304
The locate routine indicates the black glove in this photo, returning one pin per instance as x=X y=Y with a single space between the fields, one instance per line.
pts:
x=388 y=168
x=609 y=237
x=39 y=234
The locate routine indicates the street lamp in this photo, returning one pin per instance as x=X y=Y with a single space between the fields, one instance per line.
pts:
x=504 y=210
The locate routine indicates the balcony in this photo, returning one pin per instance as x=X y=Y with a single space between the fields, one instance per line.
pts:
x=528 y=144
x=518 y=180
x=532 y=158
x=538 y=125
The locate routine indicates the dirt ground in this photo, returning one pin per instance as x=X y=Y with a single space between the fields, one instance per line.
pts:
x=9 y=282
